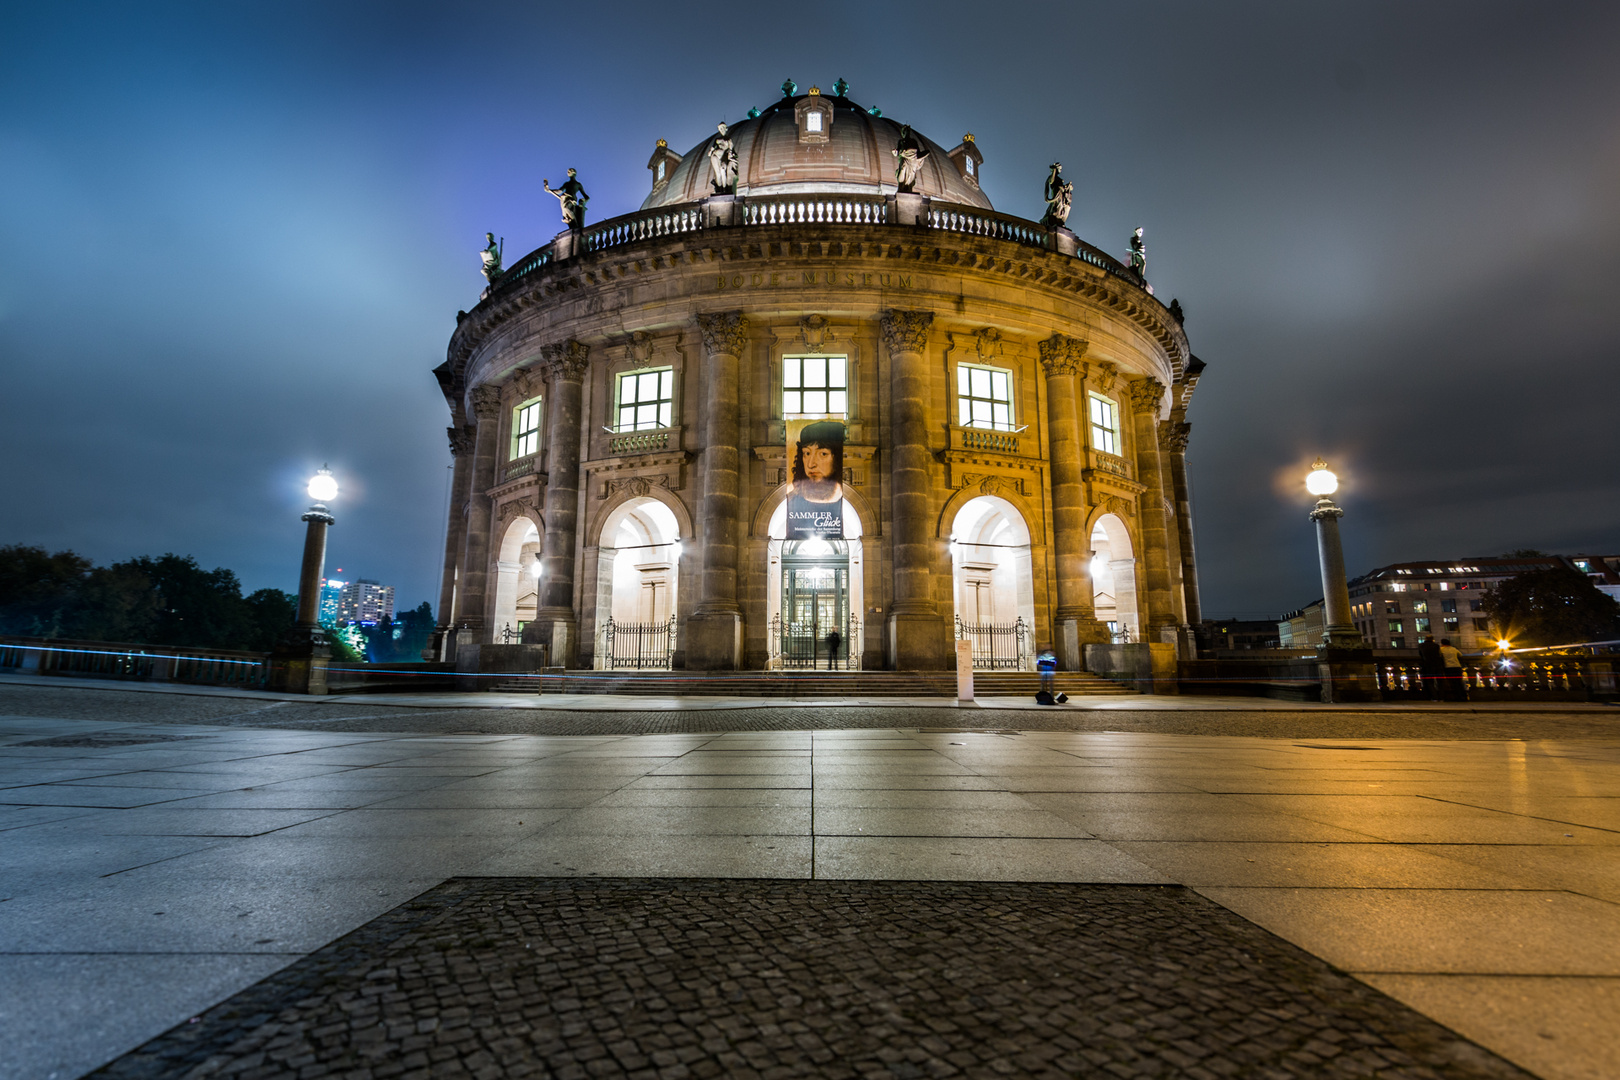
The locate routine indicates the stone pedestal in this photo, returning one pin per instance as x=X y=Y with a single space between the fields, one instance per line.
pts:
x=721 y=211
x=565 y=245
x=908 y=208
x=298 y=664
x=1065 y=242
x=714 y=641
x=1347 y=674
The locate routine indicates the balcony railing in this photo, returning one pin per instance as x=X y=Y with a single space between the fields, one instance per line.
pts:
x=517 y=469
x=828 y=208
x=1110 y=463
x=1001 y=442
x=640 y=442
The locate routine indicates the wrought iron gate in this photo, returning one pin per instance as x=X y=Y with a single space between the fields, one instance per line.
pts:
x=638 y=645
x=996 y=646
x=805 y=644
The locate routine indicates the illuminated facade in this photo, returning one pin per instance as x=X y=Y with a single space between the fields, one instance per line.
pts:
x=817 y=420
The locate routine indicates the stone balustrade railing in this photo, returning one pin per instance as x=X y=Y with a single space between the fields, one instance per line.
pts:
x=640 y=442
x=1110 y=463
x=830 y=208
x=517 y=469
x=971 y=438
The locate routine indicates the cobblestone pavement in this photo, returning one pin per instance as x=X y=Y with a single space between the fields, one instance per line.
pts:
x=349 y=714
x=509 y=977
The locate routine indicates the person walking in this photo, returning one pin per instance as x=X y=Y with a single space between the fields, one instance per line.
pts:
x=1432 y=665
x=1046 y=664
x=1453 y=689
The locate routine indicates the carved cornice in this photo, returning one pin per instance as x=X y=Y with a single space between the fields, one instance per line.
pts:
x=906 y=331
x=1061 y=355
x=461 y=439
x=725 y=333
x=566 y=360
x=486 y=402
x=1102 y=478
x=1101 y=374
x=1146 y=394
x=1173 y=436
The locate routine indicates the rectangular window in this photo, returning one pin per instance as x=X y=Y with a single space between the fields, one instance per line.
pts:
x=1104 y=425
x=526 y=429
x=646 y=400
x=1399 y=586
x=1450 y=626
x=1476 y=605
x=984 y=397
x=1482 y=626
x=1420 y=606
x=1392 y=608
x=812 y=120
x=1448 y=605
x=815 y=385
x=1397 y=643
x=1395 y=626
x=1421 y=625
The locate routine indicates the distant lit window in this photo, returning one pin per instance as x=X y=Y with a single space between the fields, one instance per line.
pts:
x=1420 y=606
x=1444 y=585
x=1448 y=605
x=968 y=161
x=1396 y=626
x=812 y=120
x=1392 y=607
x=1399 y=586
x=984 y=397
x=661 y=167
x=1582 y=565
x=526 y=429
x=1449 y=625
x=646 y=400
x=1104 y=425
x=1397 y=643
x=1420 y=625
x=815 y=385
x=1476 y=605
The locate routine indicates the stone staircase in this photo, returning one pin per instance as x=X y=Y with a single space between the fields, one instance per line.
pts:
x=805 y=684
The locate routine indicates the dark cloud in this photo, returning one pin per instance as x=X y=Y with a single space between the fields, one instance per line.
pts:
x=233 y=241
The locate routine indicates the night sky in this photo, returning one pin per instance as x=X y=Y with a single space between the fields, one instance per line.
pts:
x=234 y=237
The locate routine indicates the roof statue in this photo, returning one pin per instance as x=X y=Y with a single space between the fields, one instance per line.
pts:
x=908 y=158
x=723 y=163
x=1059 y=195
x=1138 y=255
x=573 y=198
x=491 y=256
x=841 y=88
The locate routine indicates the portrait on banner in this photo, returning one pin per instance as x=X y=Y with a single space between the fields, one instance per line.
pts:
x=815 y=503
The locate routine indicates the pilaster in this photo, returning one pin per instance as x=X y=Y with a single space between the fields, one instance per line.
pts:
x=714 y=630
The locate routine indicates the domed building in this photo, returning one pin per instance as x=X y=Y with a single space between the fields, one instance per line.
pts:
x=818 y=404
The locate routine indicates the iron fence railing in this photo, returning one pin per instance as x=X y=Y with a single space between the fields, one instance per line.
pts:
x=115 y=660
x=806 y=646
x=641 y=646
x=997 y=646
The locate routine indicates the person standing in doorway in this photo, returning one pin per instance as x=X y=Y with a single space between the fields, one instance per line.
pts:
x=834 y=639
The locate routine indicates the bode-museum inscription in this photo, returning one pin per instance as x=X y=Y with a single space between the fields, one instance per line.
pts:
x=764 y=279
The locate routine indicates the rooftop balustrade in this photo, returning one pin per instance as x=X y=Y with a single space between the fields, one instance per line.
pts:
x=829 y=208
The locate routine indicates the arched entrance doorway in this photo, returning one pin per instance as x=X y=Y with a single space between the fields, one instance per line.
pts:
x=637 y=573
x=1113 y=578
x=517 y=585
x=815 y=588
x=994 y=583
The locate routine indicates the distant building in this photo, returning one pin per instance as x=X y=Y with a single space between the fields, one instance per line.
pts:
x=365 y=602
x=1238 y=634
x=331 y=596
x=1397 y=606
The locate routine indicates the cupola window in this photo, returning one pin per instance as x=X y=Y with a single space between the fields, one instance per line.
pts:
x=815 y=117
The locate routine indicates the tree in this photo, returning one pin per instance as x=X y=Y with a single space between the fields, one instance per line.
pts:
x=200 y=608
x=39 y=590
x=1555 y=606
x=270 y=612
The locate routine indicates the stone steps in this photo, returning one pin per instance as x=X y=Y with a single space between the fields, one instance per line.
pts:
x=806 y=684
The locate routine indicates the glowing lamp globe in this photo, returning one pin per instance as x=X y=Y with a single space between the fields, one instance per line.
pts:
x=322 y=486
x=1322 y=481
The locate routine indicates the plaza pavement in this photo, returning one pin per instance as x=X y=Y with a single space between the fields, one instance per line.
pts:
x=161 y=851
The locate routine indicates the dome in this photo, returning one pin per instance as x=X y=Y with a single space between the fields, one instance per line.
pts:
x=777 y=155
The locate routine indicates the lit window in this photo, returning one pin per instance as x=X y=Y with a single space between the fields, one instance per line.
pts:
x=812 y=120
x=968 y=161
x=646 y=400
x=1450 y=625
x=1420 y=606
x=526 y=429
x=1448 y=605
x=661 y=166
x=1421 y=625
x=1104 y=425
x=984 y=397
x=815 y=385
x=1397 y=643
x=1399 y=586
x=1476 y=605
x=1395 y=626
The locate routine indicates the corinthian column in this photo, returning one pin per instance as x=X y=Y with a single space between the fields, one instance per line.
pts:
x=455 y=531
x=1075 y=617
x=714 y=630
x=486 y=407
x=565 y=364
x=1174 y=445
x=918 y=637
x=1163 y=617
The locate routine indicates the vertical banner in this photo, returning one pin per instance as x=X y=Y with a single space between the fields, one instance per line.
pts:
x=815 y=504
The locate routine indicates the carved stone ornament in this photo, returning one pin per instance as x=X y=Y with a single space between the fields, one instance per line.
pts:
x=486 y=402
x=1173 y=436
x=1119 y=507
x=1060 y=354
x=636 y=486
x=724 y=333
x=906 y=331
x=565 y=360
x=987 y=343
x=1102 y=373
x=640 y=348
x=461 y=439
x=526 y=381
x=514 y=508
x=813 y=329
x=1146 y=394
x=993 y=485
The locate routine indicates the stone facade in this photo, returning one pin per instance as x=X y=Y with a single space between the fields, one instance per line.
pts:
x=720 y=299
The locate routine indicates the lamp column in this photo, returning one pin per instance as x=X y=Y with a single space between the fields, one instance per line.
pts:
x=1339 y=629
x=1076 y=615
x=714 y=630
x=1344 y=663
x=298 y=664
x=918 y=636
x=559 y=627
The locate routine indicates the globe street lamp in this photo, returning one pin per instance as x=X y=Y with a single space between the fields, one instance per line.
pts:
x=298 y=664
x=1339 y=628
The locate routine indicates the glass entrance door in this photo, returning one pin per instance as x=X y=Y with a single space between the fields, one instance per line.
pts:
x=815 y=606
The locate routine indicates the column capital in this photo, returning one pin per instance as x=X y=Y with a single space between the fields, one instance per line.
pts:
x=565 y=360
x=724 y=333
x=1173 y=436
x=1326 y=508
x=1146 y=393
x=1061 y=355
x=461 y=439
x=486 y=402
x=906 y=331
